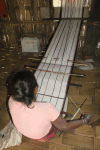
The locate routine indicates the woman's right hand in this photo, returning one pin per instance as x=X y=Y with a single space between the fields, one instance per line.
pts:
x=86 y=118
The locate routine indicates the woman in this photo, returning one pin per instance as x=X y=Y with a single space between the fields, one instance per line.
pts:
x=32 y=119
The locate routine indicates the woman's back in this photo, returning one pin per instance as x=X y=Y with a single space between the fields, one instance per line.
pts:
x=33 y=122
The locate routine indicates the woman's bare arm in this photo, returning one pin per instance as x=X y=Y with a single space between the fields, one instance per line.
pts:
x=61 y=123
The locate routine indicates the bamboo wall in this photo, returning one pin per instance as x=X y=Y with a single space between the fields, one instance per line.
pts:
x=25 y=19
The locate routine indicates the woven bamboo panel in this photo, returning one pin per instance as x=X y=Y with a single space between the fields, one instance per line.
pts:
x=59 y=147
x=45 y=13
x=96 y=143
x=86 y=109
x=79 y=148
x=90 y=109
x=94 y=118
x=27 y=10
x=85 y=130
x=78 y=141
x=32 y=143
x=29 y=146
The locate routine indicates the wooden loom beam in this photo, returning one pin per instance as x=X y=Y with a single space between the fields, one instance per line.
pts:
x=24 y=22
x=70 y=18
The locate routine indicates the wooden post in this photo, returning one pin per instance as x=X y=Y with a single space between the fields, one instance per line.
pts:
x=13 y=18
x=32 y=8
x=51 y=9
x=1 y=34
x=51 y=16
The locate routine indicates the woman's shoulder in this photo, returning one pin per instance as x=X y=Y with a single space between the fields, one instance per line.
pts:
x=44 y=104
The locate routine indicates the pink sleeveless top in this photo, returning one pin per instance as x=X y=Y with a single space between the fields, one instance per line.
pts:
x=34 y=122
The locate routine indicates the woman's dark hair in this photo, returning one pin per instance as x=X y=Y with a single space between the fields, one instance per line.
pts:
x=23 y=85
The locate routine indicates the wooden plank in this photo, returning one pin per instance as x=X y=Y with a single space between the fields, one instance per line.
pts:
x=97 y=96
x=97 y=130
x=78 y=141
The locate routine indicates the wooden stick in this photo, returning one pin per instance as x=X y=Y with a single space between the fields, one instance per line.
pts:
x=78 y=75
x=72 y=61
x=37 y=59
x=58 y=58
x=78 y=63
x=70 y=18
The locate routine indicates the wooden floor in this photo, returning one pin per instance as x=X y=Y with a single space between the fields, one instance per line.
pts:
x=83 y=138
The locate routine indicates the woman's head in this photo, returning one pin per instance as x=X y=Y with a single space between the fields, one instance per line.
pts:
x=24 y=86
